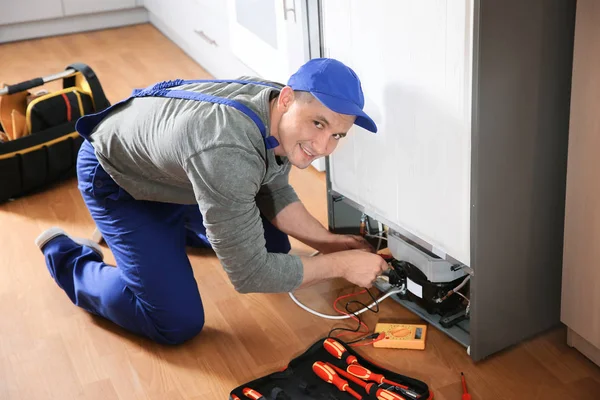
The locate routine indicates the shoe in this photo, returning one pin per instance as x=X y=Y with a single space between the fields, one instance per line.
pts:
x=55 y=232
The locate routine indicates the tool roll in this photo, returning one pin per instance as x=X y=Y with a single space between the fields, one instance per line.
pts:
x=38 y=141
x=307 y=377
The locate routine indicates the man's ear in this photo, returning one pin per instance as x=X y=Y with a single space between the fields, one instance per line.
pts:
x=286 y=98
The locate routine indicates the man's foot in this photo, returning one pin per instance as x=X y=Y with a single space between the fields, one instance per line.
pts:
x=54 y=232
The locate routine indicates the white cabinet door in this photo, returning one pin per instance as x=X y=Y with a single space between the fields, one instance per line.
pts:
x=414 y=59
x=12 y=11
x=269 y=36
x=75 y=7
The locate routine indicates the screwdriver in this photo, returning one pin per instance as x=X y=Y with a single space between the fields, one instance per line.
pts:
x=336 y=349
x=253 y=394
x=466 y=395
x=370 y=388
x=330 y=376
x=234 y=397
x=363 y=373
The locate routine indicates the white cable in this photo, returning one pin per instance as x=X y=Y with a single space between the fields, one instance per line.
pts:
x=318 y=314
x=463 y=296
x=380 y=227
x=468 y=302
x=460 y=286
x=326 y=316
x=455 y=290
x=376 y=237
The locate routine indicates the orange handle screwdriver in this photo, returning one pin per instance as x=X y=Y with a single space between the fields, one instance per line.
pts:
x=253 y=394
x=336 y=349
x=370 y=388
x=363 y=373
x=234 y=397
x=330 y=376
x=466 y=395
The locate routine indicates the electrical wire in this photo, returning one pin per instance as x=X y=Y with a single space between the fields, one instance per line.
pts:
x=354 y=316
x=460 y=286
x=378 y=338
x=455 y=290
x=374 y=336
x=380 y=227
x=326 y=316
x=468 y=308
x=376 y=237
x=463 y=296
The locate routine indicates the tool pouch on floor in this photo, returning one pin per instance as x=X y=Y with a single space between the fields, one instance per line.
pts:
x=299 y=381
x=38 y=141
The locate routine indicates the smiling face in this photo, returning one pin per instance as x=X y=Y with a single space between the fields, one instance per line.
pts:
x=305 y=128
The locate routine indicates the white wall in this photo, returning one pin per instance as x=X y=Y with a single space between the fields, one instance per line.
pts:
x=414 y=60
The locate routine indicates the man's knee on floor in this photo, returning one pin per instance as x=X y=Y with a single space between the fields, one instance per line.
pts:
x=174 y=324
x=181 y=328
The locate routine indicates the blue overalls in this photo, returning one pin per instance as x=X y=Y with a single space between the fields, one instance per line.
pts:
x=153 y=291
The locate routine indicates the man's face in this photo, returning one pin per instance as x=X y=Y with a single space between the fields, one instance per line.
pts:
x=308 y=129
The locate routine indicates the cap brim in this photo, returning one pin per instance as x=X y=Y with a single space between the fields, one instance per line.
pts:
x=342 y=106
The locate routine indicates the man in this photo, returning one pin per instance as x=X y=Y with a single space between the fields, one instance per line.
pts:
x=207 y=163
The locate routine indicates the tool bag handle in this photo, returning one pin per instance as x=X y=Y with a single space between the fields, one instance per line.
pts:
x=69 y=76
x=100 y=100
x=35 y=82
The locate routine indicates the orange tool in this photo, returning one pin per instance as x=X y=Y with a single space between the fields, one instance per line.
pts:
x=330 y=376
x=370 y=388
x=363 y=373
x=253 y=394
x=466 y=395
x=234 y=397
x=336 y=349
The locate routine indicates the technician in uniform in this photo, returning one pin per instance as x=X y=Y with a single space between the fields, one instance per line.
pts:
x=206 y=163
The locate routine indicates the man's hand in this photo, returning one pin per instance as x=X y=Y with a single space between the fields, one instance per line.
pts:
x=346 y=242
x=356 y=266
x=360 y=267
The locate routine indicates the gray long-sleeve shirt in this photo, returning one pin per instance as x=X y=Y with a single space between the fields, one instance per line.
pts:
x=190 y=152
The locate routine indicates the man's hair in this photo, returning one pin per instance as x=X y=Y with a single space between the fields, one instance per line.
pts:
x=302 y=96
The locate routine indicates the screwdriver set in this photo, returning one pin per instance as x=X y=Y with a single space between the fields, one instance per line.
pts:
x=331 y=370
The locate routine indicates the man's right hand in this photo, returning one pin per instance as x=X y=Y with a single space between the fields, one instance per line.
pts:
x=356 y=266
x=359 y=267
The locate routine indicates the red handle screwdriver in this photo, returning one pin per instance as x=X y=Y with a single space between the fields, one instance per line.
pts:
x=363 y=373
x=466 y=395
x=336 y=349
x=370 y=388
x=330 y=376
x=234 y=397
x=253 y=394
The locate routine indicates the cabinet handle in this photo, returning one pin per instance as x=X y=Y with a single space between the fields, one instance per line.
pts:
x=206 y=38
x=285 y=10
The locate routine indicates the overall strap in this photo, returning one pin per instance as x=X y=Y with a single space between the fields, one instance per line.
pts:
x=270 y=141
x=179 y=82
x=161 y=89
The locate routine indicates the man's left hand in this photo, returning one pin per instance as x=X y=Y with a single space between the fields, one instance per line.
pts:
x=346 y=242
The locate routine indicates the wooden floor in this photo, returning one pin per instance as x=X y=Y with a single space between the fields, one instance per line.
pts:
x=49 y=349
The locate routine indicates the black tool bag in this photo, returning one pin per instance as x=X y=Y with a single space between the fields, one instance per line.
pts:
x=299 y=381
x=45 y=149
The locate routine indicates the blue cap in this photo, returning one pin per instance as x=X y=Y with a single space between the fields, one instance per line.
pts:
x=336 y=86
